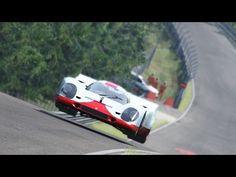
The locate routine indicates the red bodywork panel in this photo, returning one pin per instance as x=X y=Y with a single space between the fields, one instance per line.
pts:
x=100 y=111
x=111 y=84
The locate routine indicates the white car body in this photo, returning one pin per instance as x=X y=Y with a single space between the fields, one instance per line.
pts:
x=142 y=113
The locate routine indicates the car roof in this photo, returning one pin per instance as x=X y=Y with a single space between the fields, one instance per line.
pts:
x=113 y=85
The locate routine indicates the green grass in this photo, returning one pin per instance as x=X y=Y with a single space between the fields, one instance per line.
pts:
x=131 y=151
x=166 y=67
x=158 y=123
x=161 y=119
x=187 y=97
x=106 y=128
x=46 y=104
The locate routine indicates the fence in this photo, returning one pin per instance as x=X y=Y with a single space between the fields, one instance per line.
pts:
x=228 y=30
x=186 y=51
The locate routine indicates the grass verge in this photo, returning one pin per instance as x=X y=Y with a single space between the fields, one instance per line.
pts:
x=46 y=104
x=162 y=119
x=106 y=128
x=159 y=122
x=165 y=66
x=187 y=97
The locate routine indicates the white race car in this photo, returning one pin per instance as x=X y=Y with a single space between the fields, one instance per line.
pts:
x=109 y=103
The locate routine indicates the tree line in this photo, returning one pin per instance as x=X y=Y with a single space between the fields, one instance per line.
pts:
x=35 y=56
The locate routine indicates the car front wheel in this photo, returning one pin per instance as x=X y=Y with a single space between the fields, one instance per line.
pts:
x=66 y=109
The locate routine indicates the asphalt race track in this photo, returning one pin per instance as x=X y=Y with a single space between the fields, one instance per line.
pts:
x=208 y=128
x=24 y=130
x=210 y=125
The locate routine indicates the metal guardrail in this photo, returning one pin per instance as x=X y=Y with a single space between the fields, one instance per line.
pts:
x=183 y=44
x=186 y=51
x=228 y=30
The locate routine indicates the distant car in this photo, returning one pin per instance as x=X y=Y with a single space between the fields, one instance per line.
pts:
x=108 y=102
x=141 y=88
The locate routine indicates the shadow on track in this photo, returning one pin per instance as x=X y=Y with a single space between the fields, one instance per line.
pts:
x=83 y=126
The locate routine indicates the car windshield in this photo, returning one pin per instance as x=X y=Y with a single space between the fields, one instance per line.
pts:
x=109 y=92
x=138 y=79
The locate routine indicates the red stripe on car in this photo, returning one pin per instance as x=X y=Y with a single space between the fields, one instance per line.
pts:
x=111 y=84
x=97 y=106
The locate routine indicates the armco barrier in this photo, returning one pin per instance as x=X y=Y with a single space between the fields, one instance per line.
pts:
x=228 y=30
x=186 y=51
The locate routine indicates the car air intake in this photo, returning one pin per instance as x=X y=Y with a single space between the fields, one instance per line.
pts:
x=93 y=112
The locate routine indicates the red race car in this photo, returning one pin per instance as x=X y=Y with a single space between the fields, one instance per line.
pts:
x=109 y=103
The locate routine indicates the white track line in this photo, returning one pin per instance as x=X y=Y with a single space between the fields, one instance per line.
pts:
x=88 y=123
x=178 y=119
x=82 y=119
x=69 y=117
x=106 y=152
x=77 y=118
x=57 y=112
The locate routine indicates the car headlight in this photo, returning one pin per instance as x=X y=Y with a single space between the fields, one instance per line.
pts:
x=69 y=90
x=130 y=114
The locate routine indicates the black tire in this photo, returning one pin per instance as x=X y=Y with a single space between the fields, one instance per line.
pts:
x=66 y=109
x=140 y=139
x=82 y=113
x=72 y=112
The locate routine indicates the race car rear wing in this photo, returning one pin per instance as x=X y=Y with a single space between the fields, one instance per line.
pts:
x=85 y=79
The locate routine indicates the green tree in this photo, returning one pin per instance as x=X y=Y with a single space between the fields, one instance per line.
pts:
x=34 y=57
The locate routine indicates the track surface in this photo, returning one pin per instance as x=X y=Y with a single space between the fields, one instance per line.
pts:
x=210 y=125
x=208 y=128
x=24 y=130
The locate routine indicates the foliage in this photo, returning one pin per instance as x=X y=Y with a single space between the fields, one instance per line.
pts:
x=35 y=56
x=165 y=66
